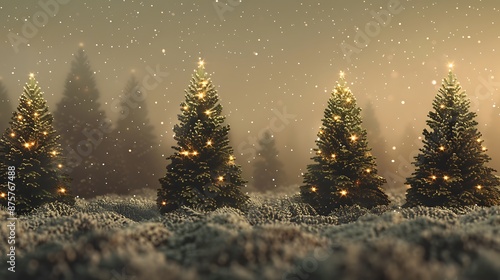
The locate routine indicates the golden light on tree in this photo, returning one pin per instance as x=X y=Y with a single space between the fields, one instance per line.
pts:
x=35 y=114
x=45 y=133
x=343 y=192
x=433 y=177
x=62 y=190
x=185 y=153
x=209 y=143
x=334 y=156
x=441 y=148
x=201 y=63
x=12 y=134
x=445 y=177
x=354 y=138
x=368 y=170
x=59 y=165
x=194 y=153
x=26 y=145
x=484 y=148
x=2 y=195
x=163 y=203
x=336 y=118
x=185 y=107
x=201 y=95
x=220 y=178
x=314 y=189
x=348 y=100
x=442 y=106
x=208 y=112
x=20 y=117
x=479 y=187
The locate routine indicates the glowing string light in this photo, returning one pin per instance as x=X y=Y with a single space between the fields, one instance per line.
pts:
x=314 y=189
x=343 y=192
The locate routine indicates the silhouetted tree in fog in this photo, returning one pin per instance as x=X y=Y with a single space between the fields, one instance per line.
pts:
x=6 y=109
x=268 y=170
x=83 y=127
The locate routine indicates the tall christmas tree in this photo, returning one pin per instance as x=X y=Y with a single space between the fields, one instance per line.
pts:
x=202 y=173
x=268 y=170
x=450 y=169
x=136 y=148
x=83 y=129
x=344 y=172
x=29 y=149
x=5 y=108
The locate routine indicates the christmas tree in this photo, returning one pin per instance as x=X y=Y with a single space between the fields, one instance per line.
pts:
x=450 y=169
x=31 y=155
x=5 y=108
x=84 y=128
x=344 y=172
x=268 y=170
x=135 y=143
x=202 y=173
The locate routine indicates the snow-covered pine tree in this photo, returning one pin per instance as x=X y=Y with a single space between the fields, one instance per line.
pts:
x=29 y=149
x=344 y=172
x=202 y=172
x=451 y=167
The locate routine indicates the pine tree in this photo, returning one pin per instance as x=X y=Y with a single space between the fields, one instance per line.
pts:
x=5 y=108
x=202 y=173
x=450 y=169
x=83 y=128
x=29 y=149
x=268 y=172
x=136 y=147
x=344 y=172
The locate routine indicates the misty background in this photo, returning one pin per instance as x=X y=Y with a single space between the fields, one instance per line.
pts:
x=274 y=63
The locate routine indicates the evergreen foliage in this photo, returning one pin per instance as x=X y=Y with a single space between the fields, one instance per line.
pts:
x=344 y=172
x=31 y=155
x=450 y=169
x=202 y=173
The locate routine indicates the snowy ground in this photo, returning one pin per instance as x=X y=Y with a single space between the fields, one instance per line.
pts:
x=125 y=238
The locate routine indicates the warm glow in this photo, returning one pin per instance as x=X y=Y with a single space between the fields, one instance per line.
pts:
x=195 y=153
x=45 y=133
x=12 y=134
x=2 y=195
x=209 y=143
x=201 y=95
x=483 y=148
x=354 y=137
x=433 y=177
x=62 y=190
x=59 y=165
x=341 y=74
x=336 y=118
x=446 y=177
x=348 y=100
x=54 y=153
x=334 y=156
x=319 y=152
x=368 y=170
x=185 y=107
x=26 y=145
x=35 y=114
x=208 y=112
x=441 y=148
x=163 y=203
x=32 y=143
x=231 y=157
x=450 y=66
x=343 y=192
x=32 y=75
x=479 y=187
x=314 y=189
x=201 y=63
x=20 y=117
x=204 y=83
x=442 y=106
x=29 y=102
x=220 y=178
x=185 y=153
x=321 y=132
